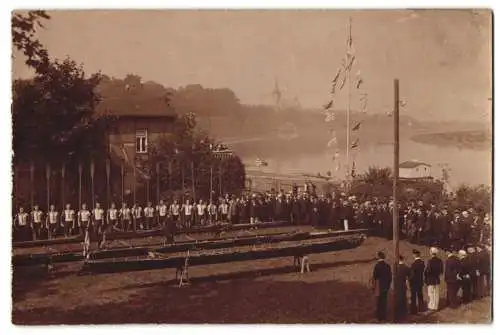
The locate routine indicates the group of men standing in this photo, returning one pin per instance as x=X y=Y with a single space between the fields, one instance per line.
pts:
x=465 y=271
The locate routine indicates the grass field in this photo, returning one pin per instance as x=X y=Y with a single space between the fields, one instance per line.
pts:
x=265 y=291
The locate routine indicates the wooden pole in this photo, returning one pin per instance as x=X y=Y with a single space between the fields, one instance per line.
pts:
x=122 y=170
x=47 y=178
x=135 y=186
x=211 y=179
x=32 y=180
x=92 y=170
x=395 y=209
x=108 y=189
x=193 y=181
x=79 y=185
x=63 y=185
x=157 y=182
x=147 y=189
x=182 y=181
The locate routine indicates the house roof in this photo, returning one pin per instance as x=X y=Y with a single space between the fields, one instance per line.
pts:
x=134 y=106
x=412 y=164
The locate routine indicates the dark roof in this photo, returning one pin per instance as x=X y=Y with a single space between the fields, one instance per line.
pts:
x=411 y=164
x=133 y=106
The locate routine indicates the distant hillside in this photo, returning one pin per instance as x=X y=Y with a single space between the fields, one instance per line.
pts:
x=461 y=139
x=259 y=128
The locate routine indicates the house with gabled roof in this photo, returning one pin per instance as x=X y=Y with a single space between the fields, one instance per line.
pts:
x=414 y=170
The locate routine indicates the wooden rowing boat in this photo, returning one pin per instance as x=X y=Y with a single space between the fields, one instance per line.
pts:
x=122 y=235
x=320 y=244
x=36 y=259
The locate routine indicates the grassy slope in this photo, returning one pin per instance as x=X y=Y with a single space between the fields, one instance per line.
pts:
x=266 y=291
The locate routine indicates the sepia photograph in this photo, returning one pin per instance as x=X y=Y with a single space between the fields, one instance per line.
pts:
x=282 y=166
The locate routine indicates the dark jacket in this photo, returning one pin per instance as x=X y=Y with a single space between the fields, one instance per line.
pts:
x=452 y=269
x=417 y=273
x=433 y=271
x=484 y=262
x=403 y=273
x=382 y=274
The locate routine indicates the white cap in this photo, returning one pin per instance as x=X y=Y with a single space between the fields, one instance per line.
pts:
x=462 y=253
x=434 y=251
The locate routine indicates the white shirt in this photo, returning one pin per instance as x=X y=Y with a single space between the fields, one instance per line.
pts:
x=188 y=209
x=125 y=212
x=201 y=209
x=22 y=218
x=53 y=217
x=113 y=213
x=149 y=212
x=212 y=209
x=224 y=208
x=98 y=213
x=69 y=215
x=84 y=215
x=162 y=209
x=137 y=212
x=174 y=208
x=37 y=216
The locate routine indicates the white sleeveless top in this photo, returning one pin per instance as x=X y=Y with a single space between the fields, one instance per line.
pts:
x=224 y=208
x=201 y=209
x=149 y=212
x=69 y=215
x=188 y=209
x=174 y=208
x=125 y=212
x=113 y=213
x=98 y=213
x=84 y=215
x=53 y=217
x=37 y=216
x=162 y=209
x=137 y=212
x=22 y=218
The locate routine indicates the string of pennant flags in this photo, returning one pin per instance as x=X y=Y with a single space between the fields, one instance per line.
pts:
x=338 y=83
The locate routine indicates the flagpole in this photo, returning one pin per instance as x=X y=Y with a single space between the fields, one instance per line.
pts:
x=395 y=209
x=79 y=185
x=92 y=170
x=108 y=172
x=47 y=177
x=32 y=180
x=348 y=116
x=63 y=184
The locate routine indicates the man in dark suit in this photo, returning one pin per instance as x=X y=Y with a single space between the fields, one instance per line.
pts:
x=433 y=273
x=466 y=268
x=381 y=283
x=403 y=273
x=417 y=283
x=452 y=279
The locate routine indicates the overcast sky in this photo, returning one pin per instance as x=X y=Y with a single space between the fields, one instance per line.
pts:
x=442 y=58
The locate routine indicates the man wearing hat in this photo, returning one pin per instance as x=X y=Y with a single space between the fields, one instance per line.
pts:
x=452 y=279
x=381 y=283
x=417 y=283
x=433 y=273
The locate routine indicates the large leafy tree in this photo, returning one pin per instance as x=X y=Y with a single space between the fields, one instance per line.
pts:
x=53 y=115
x=54 y=118
x=23 y=29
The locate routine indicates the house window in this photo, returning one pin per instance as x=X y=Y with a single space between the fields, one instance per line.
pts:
x=141 y=141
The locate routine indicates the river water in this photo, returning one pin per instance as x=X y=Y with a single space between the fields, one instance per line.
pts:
x=464 y=165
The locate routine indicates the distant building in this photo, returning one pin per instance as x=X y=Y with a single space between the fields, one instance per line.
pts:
x=414 y=170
